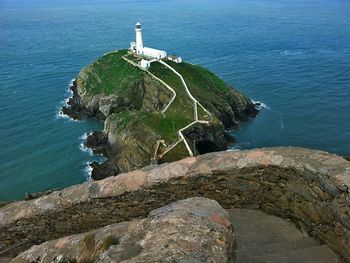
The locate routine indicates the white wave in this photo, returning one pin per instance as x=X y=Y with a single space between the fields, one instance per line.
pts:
x=84 y=136
x=87 y=171
x=82 y=146
x=260 y=105
x=61 y=115
x=71 y=82
x=64 y=103
x=69 y=91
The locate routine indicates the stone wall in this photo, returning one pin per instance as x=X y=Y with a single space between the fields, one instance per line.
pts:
x=309 y=187
x=192 y=230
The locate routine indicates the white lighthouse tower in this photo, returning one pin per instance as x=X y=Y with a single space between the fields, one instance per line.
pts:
x=146 y=52
x=139 y=41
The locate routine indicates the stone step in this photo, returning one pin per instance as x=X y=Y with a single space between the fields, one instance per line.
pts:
x=255 y=227
x=317 y=254
x=260 y=250
x=263 y=238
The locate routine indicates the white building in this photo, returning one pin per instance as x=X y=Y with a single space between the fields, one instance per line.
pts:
x=139 y=49
x=175 y=58
x=146 y=63
x=151 y=52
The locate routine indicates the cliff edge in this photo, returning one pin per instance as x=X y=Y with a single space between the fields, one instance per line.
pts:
x=310 y=188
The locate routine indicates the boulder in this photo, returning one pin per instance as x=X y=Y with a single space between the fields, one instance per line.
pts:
x=191 y=230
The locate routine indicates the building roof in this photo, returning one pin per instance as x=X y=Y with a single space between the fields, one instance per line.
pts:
x=152 y=49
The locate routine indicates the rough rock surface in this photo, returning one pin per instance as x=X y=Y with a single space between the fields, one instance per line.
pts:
x=309 y=187
x=191 y=230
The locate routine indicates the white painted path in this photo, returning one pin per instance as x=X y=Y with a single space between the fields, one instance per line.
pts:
x=161 y=81
x=195 y=102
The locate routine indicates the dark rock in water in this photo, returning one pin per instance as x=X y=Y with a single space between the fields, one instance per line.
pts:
x=97 y=141
x=71 y=113
x=257 y=105
x=103 y=170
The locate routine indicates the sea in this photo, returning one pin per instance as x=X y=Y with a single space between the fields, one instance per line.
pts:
x=293 y=56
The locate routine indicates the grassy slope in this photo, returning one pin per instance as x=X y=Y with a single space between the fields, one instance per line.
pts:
x=206 y=87
x=111 y=74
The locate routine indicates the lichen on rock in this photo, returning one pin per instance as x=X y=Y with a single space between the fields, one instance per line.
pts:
x=196 y=229
x=316 y=200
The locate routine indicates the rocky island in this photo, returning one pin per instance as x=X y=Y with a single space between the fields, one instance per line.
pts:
x=148 y=114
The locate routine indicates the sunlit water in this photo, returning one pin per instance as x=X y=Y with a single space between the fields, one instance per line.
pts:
x=292 y=55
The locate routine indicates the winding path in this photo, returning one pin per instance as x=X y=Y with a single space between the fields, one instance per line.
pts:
x=195 y=102
x=154 y=76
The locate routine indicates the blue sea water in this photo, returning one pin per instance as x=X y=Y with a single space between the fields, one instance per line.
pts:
x=293 y=55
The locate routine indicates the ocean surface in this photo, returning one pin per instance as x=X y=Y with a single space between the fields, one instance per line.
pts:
x=292 y=55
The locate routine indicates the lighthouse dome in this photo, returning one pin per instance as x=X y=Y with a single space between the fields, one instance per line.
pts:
x=138 y=25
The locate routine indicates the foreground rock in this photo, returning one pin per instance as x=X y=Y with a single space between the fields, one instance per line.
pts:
x=191 y=230
x=131 y=101
x=311 y=188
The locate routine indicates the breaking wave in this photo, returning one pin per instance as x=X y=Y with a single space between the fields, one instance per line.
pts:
x=87 y=171
x=259 y=105
x=82 y=146
x=64 y=103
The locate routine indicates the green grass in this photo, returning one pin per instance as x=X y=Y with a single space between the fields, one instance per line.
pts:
x=165 y=127
x=179 y=152
x=181 y=111
x=110 y=74
x=205 y=86
x=173 y=81
x=122 y=119
x=200 y=77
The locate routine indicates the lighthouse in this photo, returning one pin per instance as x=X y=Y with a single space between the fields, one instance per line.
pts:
x=139 y=41
x=147 y=52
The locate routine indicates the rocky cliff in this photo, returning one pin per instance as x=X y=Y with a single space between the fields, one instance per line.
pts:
x=174 y=233
x=140 y=125
x=309 y=188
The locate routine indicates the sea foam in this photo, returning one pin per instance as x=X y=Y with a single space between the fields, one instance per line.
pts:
x=82 y=146
x=260 y=105
x=87 y=171
x=64 y=102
